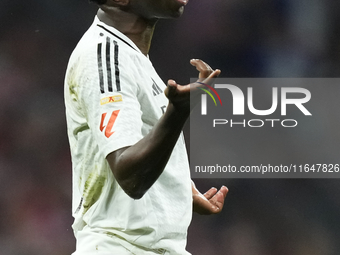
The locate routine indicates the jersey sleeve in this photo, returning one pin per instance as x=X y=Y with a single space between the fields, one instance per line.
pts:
x=108 y=96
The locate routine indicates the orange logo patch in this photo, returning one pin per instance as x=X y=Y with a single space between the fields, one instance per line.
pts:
x=108 y=127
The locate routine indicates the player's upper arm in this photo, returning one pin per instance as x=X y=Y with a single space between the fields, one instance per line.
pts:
x=108 y=95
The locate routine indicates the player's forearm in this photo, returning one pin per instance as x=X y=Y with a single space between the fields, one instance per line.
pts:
x=136 y=168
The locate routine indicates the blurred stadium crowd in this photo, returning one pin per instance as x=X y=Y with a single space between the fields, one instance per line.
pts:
x=244 y=38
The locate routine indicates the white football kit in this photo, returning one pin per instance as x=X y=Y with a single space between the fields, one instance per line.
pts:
x=113 y=99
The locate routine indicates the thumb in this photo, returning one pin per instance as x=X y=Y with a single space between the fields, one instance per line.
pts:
x=171 y=88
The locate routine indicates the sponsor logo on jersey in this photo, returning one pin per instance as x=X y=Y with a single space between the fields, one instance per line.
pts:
x=111 y=99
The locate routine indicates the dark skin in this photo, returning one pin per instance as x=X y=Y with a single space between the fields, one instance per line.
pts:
x=135 y=167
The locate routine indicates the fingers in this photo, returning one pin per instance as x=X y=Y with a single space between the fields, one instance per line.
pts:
x=203 y=68
x=205 y=71
x=213 y=191
x=178 y=94
x=210 y=193
x=213 y=75
x=224 y=190
x=217 y=200
x=211 y=202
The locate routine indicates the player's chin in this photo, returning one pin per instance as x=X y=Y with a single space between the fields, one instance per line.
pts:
x=179 y=12
x=173 y=14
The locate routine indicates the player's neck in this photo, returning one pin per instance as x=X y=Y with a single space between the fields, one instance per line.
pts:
x=137 y=29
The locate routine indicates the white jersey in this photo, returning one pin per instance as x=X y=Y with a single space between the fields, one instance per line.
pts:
x=113 y=98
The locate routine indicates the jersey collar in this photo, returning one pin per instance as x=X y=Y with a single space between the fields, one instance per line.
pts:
x=116 y=33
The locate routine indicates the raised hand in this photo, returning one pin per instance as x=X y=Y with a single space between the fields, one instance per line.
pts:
x=179 y=95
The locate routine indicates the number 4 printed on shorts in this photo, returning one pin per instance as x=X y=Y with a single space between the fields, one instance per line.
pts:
x=108 y=129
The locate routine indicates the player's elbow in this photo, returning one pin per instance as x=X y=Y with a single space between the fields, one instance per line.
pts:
x=135 y=195
x=134 y=189
x=133 y=178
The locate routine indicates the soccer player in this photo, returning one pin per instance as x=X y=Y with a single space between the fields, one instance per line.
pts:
x=132 y=192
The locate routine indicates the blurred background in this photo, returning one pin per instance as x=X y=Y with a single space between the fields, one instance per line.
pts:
x=244 y=38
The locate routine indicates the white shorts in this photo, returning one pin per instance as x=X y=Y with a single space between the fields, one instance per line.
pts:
x=93 y=243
